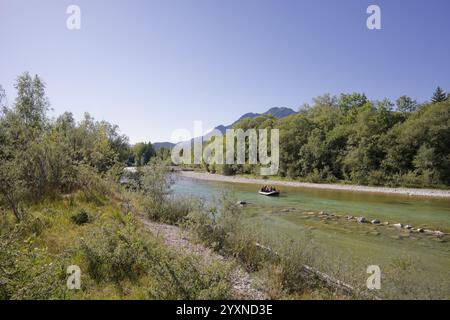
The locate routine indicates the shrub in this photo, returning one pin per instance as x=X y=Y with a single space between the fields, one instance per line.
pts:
x=171 y=211
x=29 y=271
x=376 y=178
x=126 y=253
x=215 y=223
x=80 y=218
x=180 y=276
x=293 y=256
x=115 y=254
x=221 y=227
x=228 y=170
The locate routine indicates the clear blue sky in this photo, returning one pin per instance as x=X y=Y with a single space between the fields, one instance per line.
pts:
x=155 y=66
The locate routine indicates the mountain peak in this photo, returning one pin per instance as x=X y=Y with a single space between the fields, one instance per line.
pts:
x=277 y=112
x=280 y=112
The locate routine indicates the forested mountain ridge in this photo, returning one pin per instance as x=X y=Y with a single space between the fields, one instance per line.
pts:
x=275 y=112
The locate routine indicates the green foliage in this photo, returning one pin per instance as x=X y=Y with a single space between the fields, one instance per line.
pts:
x=406 y=104
x=80 y=218
x=228 y=170
x=214 y=224
x=123 y=253
x=142 y=153
x=439 y=95
x=182 y=277
x=115 y=253
x=365 y=142
x=163 y=154
x=42 y=158
x=28 y=271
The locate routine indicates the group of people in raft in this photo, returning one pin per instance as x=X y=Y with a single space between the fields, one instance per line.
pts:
x=268 y=189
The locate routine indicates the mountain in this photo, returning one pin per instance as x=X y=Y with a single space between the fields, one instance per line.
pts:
x=280 y=112
x=159 y=145
x=276 y=112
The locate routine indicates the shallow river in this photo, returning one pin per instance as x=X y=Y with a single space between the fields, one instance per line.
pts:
x=426 y=258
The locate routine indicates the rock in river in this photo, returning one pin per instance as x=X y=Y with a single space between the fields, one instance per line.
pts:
x=375 y=221
x=361 y=219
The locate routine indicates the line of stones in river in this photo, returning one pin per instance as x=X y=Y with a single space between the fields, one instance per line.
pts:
x=363 y=220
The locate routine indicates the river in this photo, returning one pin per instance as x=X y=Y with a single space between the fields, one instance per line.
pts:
x=424 y=259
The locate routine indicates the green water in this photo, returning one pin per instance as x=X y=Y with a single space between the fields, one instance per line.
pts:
x=345 y=242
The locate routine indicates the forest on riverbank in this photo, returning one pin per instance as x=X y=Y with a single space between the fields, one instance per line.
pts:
x=351 y=139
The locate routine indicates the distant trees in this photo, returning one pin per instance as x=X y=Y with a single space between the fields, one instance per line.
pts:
x=142 y=152
x=163 y=153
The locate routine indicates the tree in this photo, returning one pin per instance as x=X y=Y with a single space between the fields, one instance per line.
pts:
x=31 y=103
x=143 y=152
x=2 y=98
x=439 y=95
x=42 y=157
x=406 y=104
x=163 y=153
x=12 y=188
x=353 y=100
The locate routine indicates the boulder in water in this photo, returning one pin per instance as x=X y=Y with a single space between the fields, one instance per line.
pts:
x=375 y=221
x=361 y=219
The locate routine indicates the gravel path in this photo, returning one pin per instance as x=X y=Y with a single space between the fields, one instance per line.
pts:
x=244 y=287
x=438 y=193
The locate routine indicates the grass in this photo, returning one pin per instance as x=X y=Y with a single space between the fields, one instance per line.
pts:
x=117 y=257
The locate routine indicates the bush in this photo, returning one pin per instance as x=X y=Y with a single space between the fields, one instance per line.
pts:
x=171 y=211
x=221 y=227
x=293 y=256
x=213 y=224
x=118 y=254
x=80 y=218
x=376 y=178
x=115 y=254
x=228 y=170
x=183 y=277
x=29 y=271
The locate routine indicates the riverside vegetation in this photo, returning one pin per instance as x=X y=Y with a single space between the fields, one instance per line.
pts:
x=351 y=139
x=61 y=205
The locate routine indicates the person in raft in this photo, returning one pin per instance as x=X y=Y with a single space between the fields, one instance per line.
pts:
x=268 y=189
